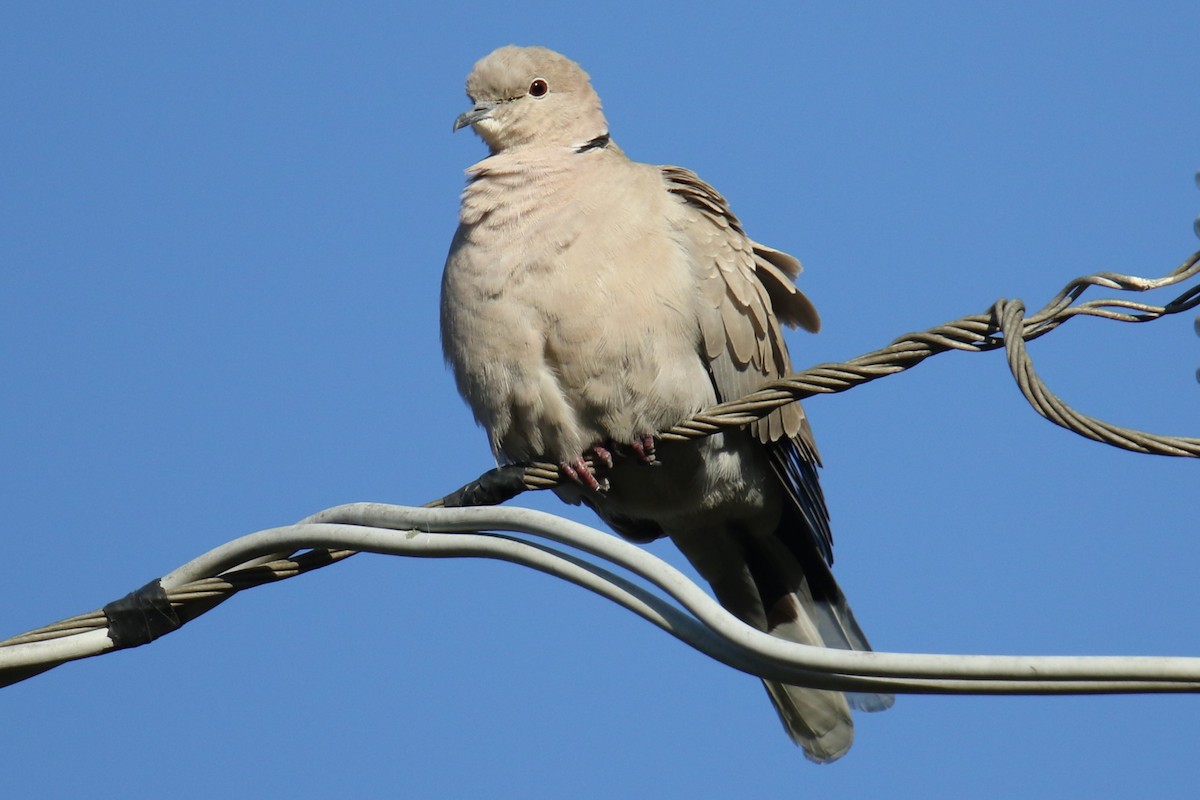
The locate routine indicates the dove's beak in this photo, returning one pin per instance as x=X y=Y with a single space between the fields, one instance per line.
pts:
x=479 y=112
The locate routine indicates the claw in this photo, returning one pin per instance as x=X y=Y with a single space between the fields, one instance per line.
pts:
x=643 y=447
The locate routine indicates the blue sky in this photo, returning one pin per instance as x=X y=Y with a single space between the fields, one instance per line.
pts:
x=221 y=235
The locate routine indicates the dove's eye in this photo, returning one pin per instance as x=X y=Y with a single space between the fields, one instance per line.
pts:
x=538 y=88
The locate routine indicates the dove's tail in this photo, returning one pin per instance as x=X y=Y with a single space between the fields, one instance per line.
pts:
x=779 y=582
x=804 y=604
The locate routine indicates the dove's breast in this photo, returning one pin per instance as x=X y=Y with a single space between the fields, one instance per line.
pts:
x=568 y=307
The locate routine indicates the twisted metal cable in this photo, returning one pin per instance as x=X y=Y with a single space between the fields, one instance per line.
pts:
x=1002 y=326
x=338 y=533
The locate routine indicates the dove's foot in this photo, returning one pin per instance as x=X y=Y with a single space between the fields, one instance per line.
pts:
x=603 y=453
x=643 y=448
x=582 y=473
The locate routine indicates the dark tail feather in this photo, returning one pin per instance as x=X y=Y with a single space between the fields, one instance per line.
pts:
x=807 y=576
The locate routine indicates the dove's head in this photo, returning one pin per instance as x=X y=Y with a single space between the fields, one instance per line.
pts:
x=531 y=96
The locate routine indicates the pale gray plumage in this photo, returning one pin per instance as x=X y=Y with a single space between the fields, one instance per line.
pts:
x=590 y=300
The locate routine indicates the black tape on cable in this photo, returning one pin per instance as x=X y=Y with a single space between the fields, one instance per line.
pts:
x=492 y=488
x=140 y=617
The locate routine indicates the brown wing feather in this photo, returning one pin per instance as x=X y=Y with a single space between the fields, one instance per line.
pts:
x=749 y=292
x=749 y=295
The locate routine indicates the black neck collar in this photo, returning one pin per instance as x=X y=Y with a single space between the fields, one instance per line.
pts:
x=599 y=143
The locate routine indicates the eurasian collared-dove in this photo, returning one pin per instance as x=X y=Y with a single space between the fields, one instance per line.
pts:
x=589 y=301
